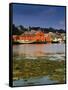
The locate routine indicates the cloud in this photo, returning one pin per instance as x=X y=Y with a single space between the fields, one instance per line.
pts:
x=62 y=24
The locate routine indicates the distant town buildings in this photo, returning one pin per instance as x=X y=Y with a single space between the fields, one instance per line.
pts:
x=39 y=36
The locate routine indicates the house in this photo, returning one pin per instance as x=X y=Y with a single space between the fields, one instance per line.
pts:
x=48 y=37
x=38 y=36
x=14 y=37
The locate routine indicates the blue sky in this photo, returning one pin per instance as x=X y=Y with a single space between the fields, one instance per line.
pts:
x=40 y=16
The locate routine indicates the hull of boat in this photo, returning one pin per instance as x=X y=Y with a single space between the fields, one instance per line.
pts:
x=28 y=42
x=25 y=42
x=55 y=42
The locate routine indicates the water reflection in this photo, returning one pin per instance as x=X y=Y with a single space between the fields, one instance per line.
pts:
x=34 y=81
x=38 y=49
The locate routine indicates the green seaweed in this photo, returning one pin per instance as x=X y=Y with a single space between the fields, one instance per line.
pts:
x=26 y=68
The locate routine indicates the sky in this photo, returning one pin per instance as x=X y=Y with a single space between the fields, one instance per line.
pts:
x=39 y=16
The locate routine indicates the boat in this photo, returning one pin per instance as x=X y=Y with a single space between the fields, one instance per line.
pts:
x=55 y=41
x=28 y=42
x=25 y=41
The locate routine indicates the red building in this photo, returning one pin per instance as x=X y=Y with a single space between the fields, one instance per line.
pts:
x=38 y=36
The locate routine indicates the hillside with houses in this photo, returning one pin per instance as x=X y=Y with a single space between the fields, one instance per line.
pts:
x=22 y=34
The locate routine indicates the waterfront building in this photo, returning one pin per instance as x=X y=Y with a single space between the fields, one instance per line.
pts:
x=38 y=36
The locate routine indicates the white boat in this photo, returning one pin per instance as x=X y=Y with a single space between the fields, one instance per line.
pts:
x=25 y=41
x=55 y=40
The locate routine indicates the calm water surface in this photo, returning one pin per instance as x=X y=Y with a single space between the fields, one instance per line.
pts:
x=39 y=50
